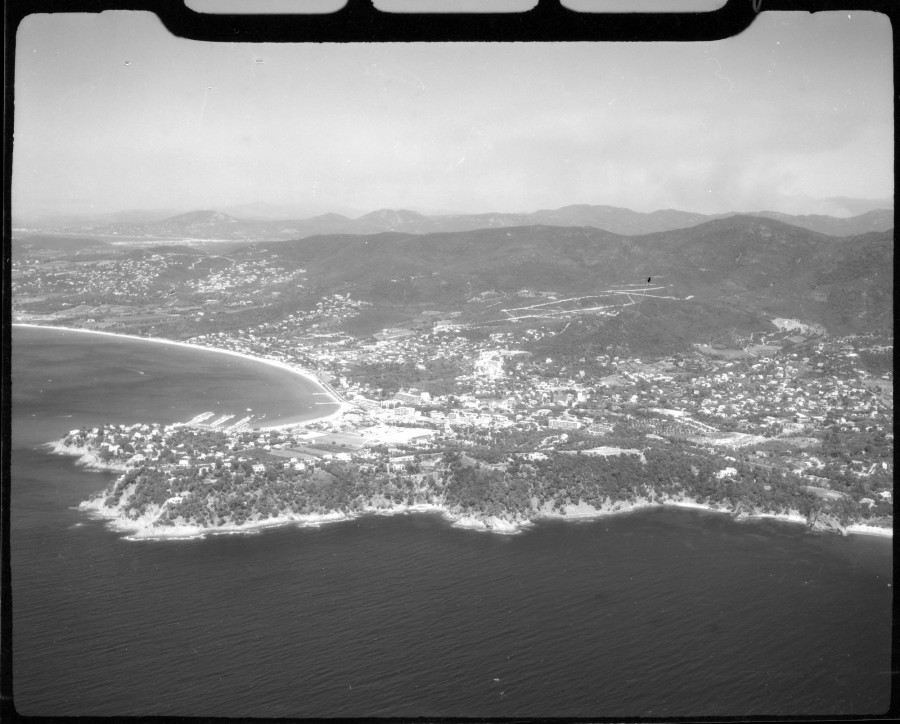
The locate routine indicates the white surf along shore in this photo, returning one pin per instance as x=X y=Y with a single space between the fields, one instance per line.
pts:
x=146 y=527
x=86 y=457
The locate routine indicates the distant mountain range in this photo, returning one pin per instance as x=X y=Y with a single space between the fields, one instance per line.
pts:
x=208 y=224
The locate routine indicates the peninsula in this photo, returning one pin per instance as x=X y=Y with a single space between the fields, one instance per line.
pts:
x=185 y=480
x=501 y=375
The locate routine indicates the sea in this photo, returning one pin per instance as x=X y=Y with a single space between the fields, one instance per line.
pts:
x=657 y=613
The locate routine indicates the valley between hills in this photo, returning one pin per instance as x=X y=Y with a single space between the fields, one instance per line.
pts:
x=500 y=374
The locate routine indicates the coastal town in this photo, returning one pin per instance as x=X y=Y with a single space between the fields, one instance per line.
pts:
x=448 y=390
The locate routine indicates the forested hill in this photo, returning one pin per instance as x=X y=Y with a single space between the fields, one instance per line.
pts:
x=751 y=265
x=591 y=289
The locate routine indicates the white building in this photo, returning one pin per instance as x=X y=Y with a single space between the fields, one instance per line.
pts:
x=564 y=423
x=489 y=364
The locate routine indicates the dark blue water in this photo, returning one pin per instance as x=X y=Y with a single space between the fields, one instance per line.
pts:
x=658 y=613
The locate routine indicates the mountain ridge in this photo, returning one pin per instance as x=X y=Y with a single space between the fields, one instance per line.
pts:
x=753 y=266
x=210 y=224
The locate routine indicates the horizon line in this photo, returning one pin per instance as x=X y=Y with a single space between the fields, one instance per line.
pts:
x=885 y=204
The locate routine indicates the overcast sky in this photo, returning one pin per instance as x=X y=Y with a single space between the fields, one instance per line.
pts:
x=113 y=113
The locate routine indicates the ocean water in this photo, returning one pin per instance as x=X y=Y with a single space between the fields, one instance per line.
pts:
x=663 y=612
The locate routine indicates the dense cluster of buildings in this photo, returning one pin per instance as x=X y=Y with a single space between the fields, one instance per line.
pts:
x=721 y=404
x=137 y=287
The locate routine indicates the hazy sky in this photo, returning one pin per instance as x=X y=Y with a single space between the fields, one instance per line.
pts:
x=112 y=113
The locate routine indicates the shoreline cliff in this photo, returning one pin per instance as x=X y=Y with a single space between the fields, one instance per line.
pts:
x=152 y=524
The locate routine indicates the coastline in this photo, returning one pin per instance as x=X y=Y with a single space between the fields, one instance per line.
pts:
x=587 y=512
x=343 y=406
x=144 y=528
x=863 y=529
x=84 y=456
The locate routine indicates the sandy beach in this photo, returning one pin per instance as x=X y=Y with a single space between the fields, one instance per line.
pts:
x=283 y=423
